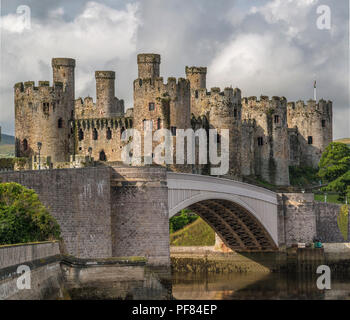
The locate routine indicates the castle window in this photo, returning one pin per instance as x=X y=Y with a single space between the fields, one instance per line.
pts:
x=218 y=138
x=81 y=135
x=25 y=145
x=323 y=123
x=102 y=156
x=277 y=119
x=235 y=113
x=94 y=134
x=173 y=131
x=109 y=134
x=159 y=124
x=260 y=141
x=151 y=106
x=46 y=107
x=310 y=140
x=196 y=93
x=140 y=82
x=130 y=123
x=60 y=123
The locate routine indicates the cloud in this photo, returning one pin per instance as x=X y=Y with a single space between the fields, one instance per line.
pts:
x=276 y=49
x=270 y=47
x=97 y=36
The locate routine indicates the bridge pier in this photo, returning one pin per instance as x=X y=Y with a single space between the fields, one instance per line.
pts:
x=139 y=211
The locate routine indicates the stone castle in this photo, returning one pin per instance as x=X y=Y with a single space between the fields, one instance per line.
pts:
x=266 y=136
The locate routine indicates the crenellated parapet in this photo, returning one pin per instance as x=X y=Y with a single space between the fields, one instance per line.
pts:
x=314 y=123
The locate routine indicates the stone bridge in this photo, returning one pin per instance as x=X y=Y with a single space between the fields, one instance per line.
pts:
x=243 y=215
x=121 y=211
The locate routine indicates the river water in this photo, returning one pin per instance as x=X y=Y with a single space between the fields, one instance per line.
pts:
x=256 y=286
x=230 y=286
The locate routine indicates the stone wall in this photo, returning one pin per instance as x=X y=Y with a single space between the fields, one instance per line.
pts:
x=301 y=219
x=79 y=199
x=43 y=259
x=326 y=221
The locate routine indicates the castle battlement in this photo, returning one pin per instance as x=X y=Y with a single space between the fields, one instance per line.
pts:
x=29 y=86
x=310 y=107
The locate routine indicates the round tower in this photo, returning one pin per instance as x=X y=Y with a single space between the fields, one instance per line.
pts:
x=63 y=71
x=197 y=77
x=105 y=91
x=149 y=65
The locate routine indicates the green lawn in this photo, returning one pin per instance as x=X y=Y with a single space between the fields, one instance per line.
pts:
x=198 y=233
x=331 y=198
x=7 y=151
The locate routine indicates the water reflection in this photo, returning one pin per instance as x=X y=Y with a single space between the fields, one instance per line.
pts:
x=256 y=286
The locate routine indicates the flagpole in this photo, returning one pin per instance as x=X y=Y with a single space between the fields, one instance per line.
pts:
x=315 y=91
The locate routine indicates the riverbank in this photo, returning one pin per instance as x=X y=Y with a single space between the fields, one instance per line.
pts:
x=212 y=260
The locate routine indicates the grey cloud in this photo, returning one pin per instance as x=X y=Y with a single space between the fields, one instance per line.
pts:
x=202 y=32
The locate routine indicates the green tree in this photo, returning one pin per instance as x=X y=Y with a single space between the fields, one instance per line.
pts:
x=335 y=161
x=335 y=169
x=23 y=218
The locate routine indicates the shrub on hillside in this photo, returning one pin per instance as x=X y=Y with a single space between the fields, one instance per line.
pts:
x=23 y=218
x=178 y=222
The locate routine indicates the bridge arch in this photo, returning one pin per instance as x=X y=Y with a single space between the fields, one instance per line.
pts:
x=244 y=216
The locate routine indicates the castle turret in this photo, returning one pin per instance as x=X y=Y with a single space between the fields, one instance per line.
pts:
x=105 y=91
x=148 y=64
x=314 y=123
x=271 y=143
x=63 y=71
x=197 y=77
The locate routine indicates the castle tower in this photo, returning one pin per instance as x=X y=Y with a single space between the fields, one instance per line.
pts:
x=148 y=64
x=197 y=77
x=43 y=114
x=159 y=105
x=105 y=92
x=314 y=123
x=63 y=71
x=271 y=140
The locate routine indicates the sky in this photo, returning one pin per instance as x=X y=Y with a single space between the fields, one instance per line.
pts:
x=264 y=47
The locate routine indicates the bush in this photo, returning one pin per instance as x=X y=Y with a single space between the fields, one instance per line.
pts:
x=178 y=222
x=23 y=218
x=303 y=176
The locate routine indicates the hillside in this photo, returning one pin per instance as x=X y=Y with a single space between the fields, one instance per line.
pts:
x=346 y=141
x=198 y=233
x=7 y=146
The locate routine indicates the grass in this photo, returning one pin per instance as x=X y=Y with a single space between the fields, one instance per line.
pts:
x=7 y=146
x=345 y=141
x=198 y=233
x=7 y=151
x=331 y=198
